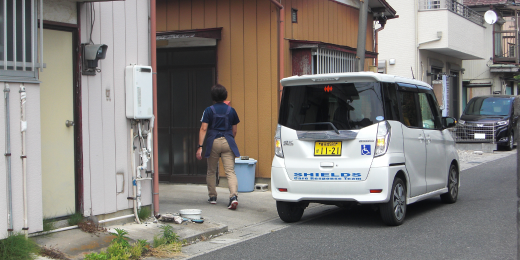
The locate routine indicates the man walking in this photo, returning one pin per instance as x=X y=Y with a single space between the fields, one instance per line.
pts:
x=219 y=123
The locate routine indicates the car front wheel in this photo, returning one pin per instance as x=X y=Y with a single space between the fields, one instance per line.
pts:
x=453 y=186
x=511 y=143
x=290 y=211
x=394 y=211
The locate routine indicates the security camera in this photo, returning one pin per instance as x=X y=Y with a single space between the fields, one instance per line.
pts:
x=95 y=52
x=91 y=54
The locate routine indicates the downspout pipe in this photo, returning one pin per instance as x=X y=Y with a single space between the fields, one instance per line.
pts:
x=383 y=23
x=153 y=46
x=362 y=35
x=8 y=160
x=281 y=48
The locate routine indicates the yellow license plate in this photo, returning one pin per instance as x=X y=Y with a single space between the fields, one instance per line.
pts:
x=327 y=148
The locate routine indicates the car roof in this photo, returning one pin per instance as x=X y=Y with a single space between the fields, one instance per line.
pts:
x=495 y=96
x=332 y=78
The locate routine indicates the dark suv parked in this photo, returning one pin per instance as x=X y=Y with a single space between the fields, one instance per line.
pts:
x=489 y=119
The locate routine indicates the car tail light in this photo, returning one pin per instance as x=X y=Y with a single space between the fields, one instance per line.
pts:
x=282 y=189
x=278 y=151
x=376 y=191
x=383 y=138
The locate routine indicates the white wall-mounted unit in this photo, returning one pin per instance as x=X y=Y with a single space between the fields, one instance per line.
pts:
x=139 y=95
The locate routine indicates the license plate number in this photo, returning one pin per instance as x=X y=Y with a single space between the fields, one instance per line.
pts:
x=480 y=136
x=327 y=148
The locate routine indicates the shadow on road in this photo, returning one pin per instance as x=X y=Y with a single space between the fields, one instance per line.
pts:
x=368 y=216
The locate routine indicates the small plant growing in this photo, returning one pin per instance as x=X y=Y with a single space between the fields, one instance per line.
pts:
x=75 y=218
x=144 y=213
x=120 y=248
x=167 y=245
x=120 y=237
x=18 y=247
x=48 y=224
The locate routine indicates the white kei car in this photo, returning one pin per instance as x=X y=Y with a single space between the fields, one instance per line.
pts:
x=361 y=138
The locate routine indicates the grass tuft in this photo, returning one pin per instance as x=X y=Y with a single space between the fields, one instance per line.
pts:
x=75 y=218
x=144 y=213
x=48 y=224
x=18 y=247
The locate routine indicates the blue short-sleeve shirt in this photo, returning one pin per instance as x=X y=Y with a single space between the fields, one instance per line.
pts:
x=221 y=109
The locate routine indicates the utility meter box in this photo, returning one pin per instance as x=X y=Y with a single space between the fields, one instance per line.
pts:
x=139 y=95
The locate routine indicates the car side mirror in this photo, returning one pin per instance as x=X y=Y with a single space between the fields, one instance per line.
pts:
x=449 y=122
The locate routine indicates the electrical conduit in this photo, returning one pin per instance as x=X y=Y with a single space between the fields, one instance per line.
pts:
x=23 y=129
x=8 y=159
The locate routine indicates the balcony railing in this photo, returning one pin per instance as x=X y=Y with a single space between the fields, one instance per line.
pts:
x=452 y=6
x=506 y=47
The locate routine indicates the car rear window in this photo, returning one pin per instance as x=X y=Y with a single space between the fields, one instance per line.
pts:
x=489 y=106
x=346 y=106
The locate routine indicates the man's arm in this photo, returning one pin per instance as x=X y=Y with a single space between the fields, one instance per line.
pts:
x=202 y=134
x=235 y=130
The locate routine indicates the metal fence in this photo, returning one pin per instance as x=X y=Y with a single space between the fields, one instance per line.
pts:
x=506 y=48
x=331 y=61
x=454 y=7
x=474 y=133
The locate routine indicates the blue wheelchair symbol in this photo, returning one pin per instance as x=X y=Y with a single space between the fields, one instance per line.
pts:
x=365 y=149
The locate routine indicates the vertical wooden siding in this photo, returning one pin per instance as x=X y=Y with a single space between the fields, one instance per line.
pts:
x=330 y=22
x=248 y=54
x=105 y=127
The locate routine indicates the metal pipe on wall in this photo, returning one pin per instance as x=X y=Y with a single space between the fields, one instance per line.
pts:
x=155 y=161
x=23 y=130
x=362 y=35
x=281 y=50
x=8 y=159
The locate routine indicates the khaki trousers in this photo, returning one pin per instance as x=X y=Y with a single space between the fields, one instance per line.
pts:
x=221 y=149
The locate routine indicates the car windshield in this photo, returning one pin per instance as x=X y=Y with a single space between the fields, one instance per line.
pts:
x=343 y=106
x=490 y=106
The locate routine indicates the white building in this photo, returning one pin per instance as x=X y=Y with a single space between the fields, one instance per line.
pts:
x=495 y=74
x=429 y=41
x=77 y=145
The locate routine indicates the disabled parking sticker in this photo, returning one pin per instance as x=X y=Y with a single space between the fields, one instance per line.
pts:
x=365 y=149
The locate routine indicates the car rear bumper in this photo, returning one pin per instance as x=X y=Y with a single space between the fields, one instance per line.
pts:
x=356 y=191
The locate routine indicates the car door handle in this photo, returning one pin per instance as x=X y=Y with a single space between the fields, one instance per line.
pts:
x=421 y=138
x=428 y=139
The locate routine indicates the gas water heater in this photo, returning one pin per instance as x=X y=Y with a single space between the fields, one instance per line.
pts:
x=139 y=96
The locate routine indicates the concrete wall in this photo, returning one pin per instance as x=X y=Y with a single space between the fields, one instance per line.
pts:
x=398 y=40
x=33 y=148
x=63 y=11
x=458 y=33
x=124 y=27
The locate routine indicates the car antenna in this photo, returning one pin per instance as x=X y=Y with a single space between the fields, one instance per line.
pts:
x=412 y=72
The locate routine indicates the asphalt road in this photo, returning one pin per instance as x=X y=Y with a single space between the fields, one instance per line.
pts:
x=481 y=225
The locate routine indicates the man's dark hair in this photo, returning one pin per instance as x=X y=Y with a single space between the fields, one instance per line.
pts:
x=218 y=93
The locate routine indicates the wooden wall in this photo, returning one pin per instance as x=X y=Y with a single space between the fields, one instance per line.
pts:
x=123 y=26
x=325 y=21
x=248 y=54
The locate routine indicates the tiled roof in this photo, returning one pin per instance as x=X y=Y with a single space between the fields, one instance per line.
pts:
x=483 y=2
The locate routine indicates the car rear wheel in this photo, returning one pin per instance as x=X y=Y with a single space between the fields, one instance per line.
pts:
x=394 y=211
x=290 y=211
x=453 y=186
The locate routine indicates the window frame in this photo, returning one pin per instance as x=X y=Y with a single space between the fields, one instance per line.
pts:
x=12 y=69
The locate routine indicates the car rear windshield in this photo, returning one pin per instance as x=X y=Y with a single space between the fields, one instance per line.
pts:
x=490 y=106
x=345 y=106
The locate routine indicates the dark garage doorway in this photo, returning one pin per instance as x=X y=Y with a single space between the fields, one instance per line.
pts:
x=184 y=80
